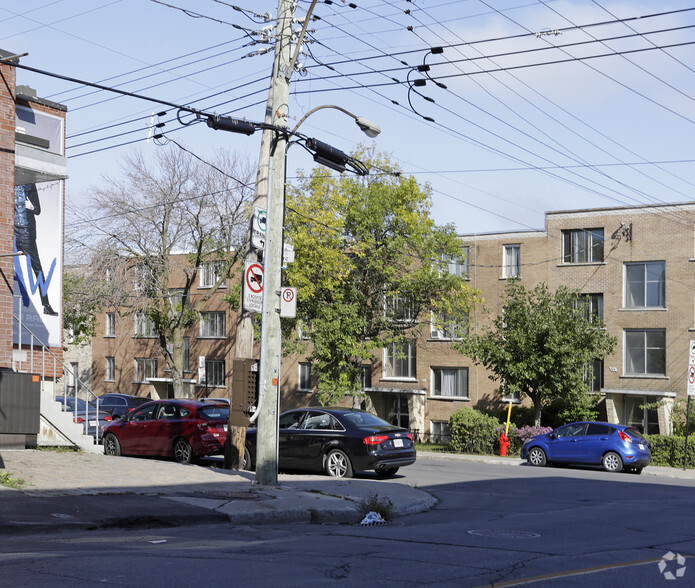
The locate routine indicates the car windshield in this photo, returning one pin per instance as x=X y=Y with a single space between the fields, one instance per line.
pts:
x=365 y=419
x=214 y=412
x=634 y=433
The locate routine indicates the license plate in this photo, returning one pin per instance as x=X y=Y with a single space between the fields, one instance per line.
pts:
x=92 y=423
x=225 y=428
x=398 y=442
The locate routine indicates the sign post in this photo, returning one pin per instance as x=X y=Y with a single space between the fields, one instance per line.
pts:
x=691 y=392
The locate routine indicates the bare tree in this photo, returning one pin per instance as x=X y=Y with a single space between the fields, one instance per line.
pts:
x=155 y=226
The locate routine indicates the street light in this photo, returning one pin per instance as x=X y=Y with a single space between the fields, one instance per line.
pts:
x=366 y=126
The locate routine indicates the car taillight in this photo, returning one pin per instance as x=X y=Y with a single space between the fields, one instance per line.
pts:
x=78 y=420
x=202 y=426
x=375 y=439
x=410 y=436
x=625 y=437
x=108 y=418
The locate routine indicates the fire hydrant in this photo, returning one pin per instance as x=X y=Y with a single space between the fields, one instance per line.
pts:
x=504 y=445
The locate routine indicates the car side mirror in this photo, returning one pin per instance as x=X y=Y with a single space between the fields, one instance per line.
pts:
x=552 y=436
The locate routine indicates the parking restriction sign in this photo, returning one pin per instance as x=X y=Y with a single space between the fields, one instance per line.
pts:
x=253 y=287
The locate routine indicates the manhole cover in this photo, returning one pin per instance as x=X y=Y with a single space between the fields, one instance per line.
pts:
x=504 y=534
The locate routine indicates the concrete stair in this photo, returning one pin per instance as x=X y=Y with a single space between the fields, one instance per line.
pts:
x=58 y=429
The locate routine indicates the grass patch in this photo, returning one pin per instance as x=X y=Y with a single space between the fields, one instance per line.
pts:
x=440 y=447
x=59 y=448
x=6 y=479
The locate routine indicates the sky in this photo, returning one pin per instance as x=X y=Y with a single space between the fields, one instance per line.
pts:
x=530 y=105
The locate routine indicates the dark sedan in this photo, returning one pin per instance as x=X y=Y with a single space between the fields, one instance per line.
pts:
x=338 y=441
x=615 y=447
x=118 y=404
x=181 y=429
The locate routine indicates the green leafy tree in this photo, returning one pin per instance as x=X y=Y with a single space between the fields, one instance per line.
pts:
x=542 y=345
x=369 y=263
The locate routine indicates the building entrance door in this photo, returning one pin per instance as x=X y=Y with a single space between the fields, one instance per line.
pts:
x=398 y=412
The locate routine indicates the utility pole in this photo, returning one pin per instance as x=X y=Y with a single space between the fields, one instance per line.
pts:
x=267 y=436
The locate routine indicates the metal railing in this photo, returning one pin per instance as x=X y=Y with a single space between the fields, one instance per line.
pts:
x=36 y=343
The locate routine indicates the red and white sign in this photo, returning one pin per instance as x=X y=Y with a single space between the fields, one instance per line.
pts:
x=253 y=286
x=288 y=302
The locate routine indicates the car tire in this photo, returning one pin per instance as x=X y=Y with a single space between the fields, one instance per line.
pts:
x=612 y=462
x=387 y=473
x=111 y=445
x=247 y=463
x=182 y=451
x=337 y=464
x=537 y=457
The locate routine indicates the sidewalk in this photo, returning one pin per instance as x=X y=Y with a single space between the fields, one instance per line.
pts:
x=77 y=490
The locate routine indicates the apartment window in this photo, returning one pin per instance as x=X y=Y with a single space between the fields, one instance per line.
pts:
x=592 y=306
x=439 y=432
x=399 y=361
x=143 y=278
x=366 y=375
x=305 y=377
x=399 y=308
x=450 y=382
x=144 y=326
x=212 y=324
x=110 y=373
x=582 y=246
x=593 y=375
x=210 y=273
x=442 y=327
x=457 y=266
x=645 y=352
x=512 y=261
x=145 y=369
x=645 y=284
x=214 y=372
x=110 y=324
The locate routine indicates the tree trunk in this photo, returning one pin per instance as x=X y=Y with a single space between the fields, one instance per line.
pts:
x=536 y=410
x=234 y=447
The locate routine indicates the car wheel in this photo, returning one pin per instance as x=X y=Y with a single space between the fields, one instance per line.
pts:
x=183 y=452
x=247 y=464
x=338 y=464
x=612 y=462
x=111 y=445
x=387 y=473
x=536 y=457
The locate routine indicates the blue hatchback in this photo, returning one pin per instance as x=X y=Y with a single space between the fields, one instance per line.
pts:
x=615 y=447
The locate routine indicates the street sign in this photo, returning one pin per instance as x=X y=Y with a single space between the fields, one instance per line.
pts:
x=253 y=287
x=288 y=302
x=258 y=227
x=287 y=253
x=691 y=369
x=201 y=369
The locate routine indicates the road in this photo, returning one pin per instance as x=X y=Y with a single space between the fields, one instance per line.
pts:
x=494 y=525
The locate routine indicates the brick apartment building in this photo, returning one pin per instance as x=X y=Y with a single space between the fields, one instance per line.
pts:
x=633 y=263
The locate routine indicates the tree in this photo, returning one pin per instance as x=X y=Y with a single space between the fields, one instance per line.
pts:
x=541 y=345
x=176 y=203
x=369 y=262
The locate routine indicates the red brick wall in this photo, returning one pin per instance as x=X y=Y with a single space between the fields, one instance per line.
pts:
x=7 y=159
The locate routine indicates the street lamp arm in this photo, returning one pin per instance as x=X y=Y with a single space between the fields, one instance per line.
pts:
x=366 y=126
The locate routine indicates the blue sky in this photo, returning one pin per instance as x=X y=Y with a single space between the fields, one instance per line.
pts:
x=547 y=105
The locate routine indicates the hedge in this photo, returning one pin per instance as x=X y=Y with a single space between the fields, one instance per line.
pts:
x=669 y=450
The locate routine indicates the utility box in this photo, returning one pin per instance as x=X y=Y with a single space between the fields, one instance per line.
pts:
x=20 y=409
x=244 y=400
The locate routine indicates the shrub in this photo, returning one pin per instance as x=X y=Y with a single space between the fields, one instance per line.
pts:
x=517 y=437
x=669 y=450
x=472 y=431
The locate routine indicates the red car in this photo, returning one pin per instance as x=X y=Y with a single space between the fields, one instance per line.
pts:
x=182 y=429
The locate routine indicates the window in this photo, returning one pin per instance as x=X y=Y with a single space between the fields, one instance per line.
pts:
x=212 y=324
x=582 y=246
x=399 y=308
x=210 y=273
x=450 y=382
x=441 y=327
x=110 y=374
x=645 y=284
x=143 y=278
x=439 y=432
x=592 y=305
x=599 y=429
x=399 y=361
x=110 y=324
x=145 y=369
x=214 y=372
x=305 y=377
x=72 y=372
x=645 y=352
x=366 y=375
x=457 y=266
x=144 y=327
x=593 y=375
x=512 y=261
